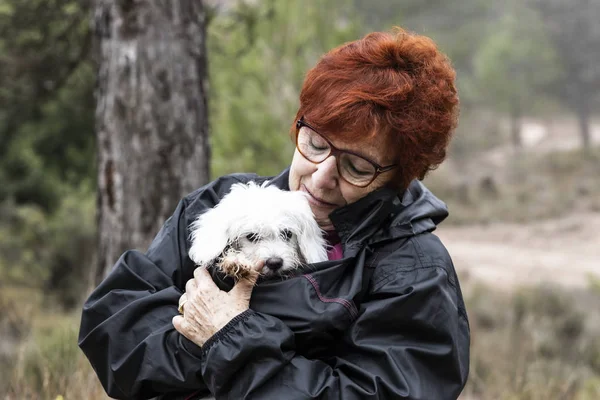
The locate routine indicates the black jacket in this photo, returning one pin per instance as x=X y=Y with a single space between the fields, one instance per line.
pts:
x=337 y=330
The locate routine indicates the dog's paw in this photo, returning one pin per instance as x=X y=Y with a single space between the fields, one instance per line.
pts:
x=236 y=265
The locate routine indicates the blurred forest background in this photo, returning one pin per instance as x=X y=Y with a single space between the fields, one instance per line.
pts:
x=522 y=180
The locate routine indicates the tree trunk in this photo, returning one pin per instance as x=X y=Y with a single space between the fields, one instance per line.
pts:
x=583 y=118
x=515 y=126
x=151 y=117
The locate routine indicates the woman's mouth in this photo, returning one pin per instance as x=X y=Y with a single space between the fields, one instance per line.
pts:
x=315 y=200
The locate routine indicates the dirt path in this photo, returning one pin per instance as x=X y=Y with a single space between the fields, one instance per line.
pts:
x=565 y=251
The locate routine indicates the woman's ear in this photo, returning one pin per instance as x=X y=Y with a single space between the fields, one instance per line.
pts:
x=209 y=236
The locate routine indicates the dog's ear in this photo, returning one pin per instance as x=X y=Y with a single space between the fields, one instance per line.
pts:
x=311 y=242
x=214 y=230
x=209 y=236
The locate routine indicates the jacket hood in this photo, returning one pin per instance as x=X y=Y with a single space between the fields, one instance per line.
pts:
x=419 y=211
x=362 y=222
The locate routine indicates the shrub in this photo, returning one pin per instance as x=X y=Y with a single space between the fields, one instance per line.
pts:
x=50 y=364
x=536 y=343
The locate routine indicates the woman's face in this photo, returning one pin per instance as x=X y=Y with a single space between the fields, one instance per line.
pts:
x=326 y=190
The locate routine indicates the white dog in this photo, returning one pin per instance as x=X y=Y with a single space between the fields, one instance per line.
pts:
x=255 y=223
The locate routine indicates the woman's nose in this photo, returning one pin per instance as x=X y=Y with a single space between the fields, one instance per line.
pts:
x=326 y=175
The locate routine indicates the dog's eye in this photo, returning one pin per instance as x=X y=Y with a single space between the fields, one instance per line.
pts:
x=286 y=234
x=253 y=237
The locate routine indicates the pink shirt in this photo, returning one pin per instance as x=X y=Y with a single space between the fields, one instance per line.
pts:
x=335 y=252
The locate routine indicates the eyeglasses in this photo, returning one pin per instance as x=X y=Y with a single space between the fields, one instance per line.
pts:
x=353 y=168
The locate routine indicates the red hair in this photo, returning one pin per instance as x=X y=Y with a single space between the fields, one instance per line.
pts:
x=395 y=87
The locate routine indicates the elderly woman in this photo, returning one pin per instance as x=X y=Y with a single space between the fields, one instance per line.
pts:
x=384 y=318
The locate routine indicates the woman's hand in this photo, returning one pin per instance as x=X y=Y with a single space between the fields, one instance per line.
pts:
x=206 y=308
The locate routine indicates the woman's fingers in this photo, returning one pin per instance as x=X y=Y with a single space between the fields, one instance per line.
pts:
x=203 y=280
x=188 y=330
x=191 y=286
x=205 y=308
x=181 y=304
x=178 y=322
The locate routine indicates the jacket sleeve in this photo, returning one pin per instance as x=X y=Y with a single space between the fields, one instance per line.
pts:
x=410 y=341
x=126 y=330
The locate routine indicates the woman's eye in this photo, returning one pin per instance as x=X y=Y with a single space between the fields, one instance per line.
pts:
x=253 y=237
x=357 y=171
x=286 y=234
x=318 y=144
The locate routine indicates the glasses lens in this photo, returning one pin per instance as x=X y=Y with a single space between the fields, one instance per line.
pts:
x=355 y=169
x=312 y=145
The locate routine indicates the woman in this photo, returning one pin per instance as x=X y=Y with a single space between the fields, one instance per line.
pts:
x=382 y=319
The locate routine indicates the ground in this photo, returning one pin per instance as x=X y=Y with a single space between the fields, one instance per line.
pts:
x=564 y=251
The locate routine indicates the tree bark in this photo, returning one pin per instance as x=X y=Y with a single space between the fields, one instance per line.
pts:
x=151 y=117
x=515 y=125
x=583 y=119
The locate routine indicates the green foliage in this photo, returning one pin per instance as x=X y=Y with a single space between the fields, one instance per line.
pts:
x=47 y=146
x=50 y=251
x=50 y=365
x=258 y=56
x=572 y=28
x=457 y=27
x=515 y=60
x=46 y=99
x=53 y=357
x=53 y=150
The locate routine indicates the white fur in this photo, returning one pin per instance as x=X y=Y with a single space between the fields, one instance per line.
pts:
x=264 y=211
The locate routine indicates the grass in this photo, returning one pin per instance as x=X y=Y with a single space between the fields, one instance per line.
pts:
x=540 y=343
x=46 y=362
x=536 y=343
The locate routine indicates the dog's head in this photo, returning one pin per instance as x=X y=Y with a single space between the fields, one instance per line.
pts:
x=262 y=222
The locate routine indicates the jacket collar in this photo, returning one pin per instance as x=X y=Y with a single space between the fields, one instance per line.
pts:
x=356 y=222
x=363 y=222
x=281 y=181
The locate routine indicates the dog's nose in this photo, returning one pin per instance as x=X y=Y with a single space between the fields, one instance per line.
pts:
x=274 y=263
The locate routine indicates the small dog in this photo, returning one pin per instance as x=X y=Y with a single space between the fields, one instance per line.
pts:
x=255 y=223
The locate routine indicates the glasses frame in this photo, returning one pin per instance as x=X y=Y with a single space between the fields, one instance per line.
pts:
x=335 y=152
